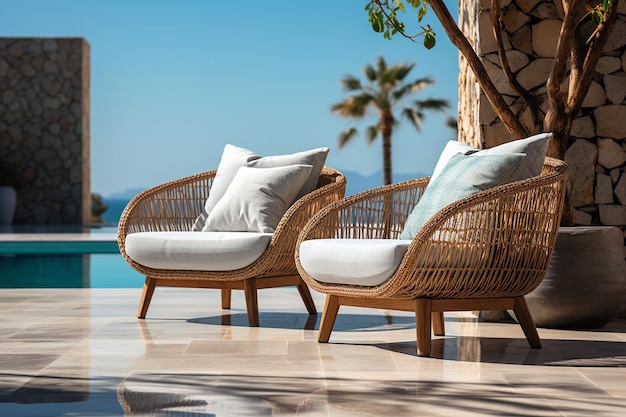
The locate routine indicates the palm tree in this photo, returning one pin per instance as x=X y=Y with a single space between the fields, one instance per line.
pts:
x=385 y=91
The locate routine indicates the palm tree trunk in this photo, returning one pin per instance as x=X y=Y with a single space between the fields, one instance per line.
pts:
x=386 y=128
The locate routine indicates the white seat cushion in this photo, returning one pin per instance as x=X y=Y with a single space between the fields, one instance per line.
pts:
x=367 y=262
x=196 y=251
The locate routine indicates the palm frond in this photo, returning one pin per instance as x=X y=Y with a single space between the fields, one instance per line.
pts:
x=414 y=116
x=381 y=65
x=399 y=93
x=370 y=73
x=354 y=106
x=346 y=135
x=351 y=83
x=434 y=104
x=452 y=123
x=383 y=103
x=419 y=84
x=401 y=71
x=371 y=134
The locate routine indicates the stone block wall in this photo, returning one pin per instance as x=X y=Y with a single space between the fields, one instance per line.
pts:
x=44 y=127
x=597 y=152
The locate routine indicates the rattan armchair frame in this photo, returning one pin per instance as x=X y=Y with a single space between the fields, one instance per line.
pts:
x=174 y=206
x=484 y=252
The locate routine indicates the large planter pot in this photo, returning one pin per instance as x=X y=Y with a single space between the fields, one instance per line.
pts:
x=585 y=286
x=8 y=199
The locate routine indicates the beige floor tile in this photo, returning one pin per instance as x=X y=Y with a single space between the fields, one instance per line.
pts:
x=87 y=348
x=238 y=347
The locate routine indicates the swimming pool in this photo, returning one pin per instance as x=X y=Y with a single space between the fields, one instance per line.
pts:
x=64 y=258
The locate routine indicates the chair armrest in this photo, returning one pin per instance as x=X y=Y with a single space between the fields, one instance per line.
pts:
x=172 y=206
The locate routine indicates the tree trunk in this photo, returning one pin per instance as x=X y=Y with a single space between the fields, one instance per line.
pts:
x=557 y=122
x=386 y=129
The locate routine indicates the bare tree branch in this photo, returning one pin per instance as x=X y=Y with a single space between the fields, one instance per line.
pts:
x=557 y=118
x=580 y=85
x=563 y=110
x=529 y=99
x=493 y=95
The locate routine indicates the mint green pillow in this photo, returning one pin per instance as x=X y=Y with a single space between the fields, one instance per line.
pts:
x=462 y=176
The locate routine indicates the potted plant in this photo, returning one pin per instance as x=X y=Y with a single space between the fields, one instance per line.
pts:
x=8 y=195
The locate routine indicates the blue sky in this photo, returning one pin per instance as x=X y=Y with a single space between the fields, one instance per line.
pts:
x=173 y=81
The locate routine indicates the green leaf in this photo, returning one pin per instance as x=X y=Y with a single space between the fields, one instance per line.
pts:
x=377 y=22
x=429 y=40
x=421 y=13
x=596 y=17
x=375 y=26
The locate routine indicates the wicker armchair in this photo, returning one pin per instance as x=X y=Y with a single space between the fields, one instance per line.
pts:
x=484 y=252
x=175 y=205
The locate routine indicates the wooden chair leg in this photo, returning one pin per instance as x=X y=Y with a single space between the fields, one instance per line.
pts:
x=423 y=313
x=146 y=296
x=439 y=327
x=303 y=289
x=249 y=288
x=226 y=298
x=525 y=319
x=331 y=308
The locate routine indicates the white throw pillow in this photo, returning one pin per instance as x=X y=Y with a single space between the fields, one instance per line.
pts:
x=257 y=199
x=233 y=158
x=534 y=147
x=313 y=157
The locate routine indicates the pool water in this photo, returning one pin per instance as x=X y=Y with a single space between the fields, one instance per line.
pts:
x=63 y=257
x=67 y=271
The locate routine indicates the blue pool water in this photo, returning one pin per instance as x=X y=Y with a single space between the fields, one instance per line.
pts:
x=63 y=263
x=112 y=271
x=67 y=271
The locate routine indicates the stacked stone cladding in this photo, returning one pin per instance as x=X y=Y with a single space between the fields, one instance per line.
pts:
x=44 y=127
x=596 y=154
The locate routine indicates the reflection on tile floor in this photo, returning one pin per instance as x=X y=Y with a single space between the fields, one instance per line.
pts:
x=82 y=352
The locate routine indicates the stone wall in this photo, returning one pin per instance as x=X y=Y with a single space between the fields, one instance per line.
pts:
x=597 y=153
x=44 y=127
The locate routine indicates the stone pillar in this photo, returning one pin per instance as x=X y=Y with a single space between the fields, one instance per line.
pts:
x=44 y=127
x=597 y=152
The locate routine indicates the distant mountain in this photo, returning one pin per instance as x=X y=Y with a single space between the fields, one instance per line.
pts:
x=359 y=182
x=115 y=207
x=126 y=194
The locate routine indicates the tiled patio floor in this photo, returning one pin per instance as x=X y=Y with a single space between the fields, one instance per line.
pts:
x=82 y=352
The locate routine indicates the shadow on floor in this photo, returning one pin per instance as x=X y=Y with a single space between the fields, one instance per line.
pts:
x=574 y=353
x=280 y=320
x=257 y=395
